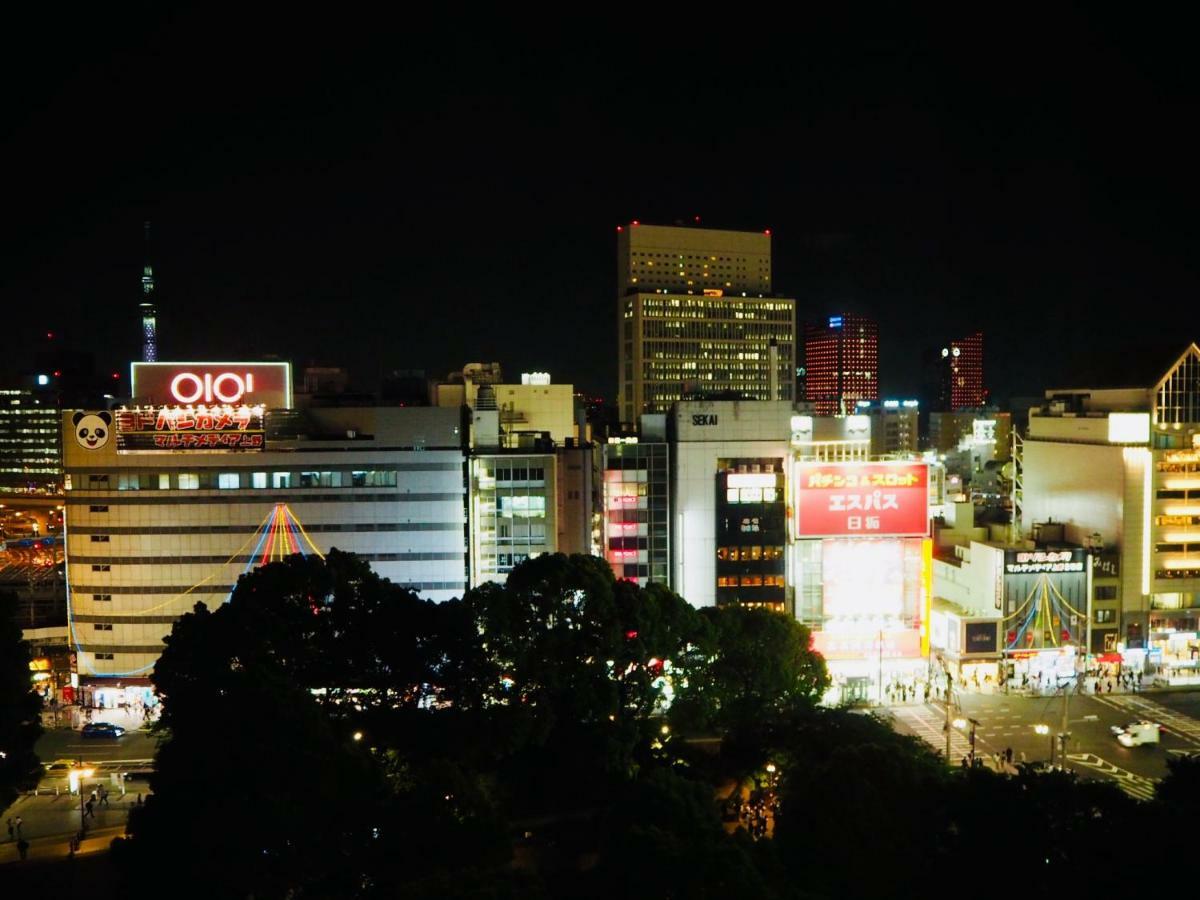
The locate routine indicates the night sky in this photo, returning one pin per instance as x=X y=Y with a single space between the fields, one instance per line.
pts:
x=409 y=194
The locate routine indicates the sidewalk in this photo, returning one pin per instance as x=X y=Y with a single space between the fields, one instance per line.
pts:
x=52 y=848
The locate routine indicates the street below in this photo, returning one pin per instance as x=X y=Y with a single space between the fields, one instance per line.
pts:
x=1010 y=721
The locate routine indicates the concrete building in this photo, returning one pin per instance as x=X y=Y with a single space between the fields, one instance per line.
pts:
x=723 y=455
x=697 y=315
x=894 y=427
x=841 y=364
x=1117 y=467
x=535 y=407
x=167 y=505
x=636 y=504
x=30 y=442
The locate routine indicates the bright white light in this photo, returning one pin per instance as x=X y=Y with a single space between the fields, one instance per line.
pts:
x=750 y=480
x=1128 y=428
x=43 y=380
x=862 y=578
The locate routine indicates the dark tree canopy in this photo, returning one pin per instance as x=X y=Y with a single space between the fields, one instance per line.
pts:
x=20 y=708
x=327 y=733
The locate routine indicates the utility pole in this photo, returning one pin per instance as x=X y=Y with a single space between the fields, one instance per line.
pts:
x=949 y=684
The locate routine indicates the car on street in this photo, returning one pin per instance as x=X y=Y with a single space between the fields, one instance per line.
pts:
x=101 y=730
x=1137 y=733
x=60 y=766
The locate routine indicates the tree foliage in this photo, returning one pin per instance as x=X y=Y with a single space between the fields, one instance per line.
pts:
x=20 y=708
x=515 y=742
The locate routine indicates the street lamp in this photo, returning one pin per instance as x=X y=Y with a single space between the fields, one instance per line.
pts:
x=1045 y=729
x=75 y=779
x=961 y=724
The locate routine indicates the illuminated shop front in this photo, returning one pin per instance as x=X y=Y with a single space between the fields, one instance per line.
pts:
x=1046 y=604
x=965 y=647
x=863 y=568
x=1175 y=648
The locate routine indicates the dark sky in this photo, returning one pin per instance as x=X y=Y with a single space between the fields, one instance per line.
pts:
x=396 y=194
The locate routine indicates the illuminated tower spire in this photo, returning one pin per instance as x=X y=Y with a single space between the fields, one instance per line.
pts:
x=148 y=310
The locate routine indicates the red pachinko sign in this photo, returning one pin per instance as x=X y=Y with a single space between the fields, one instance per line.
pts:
x=862 y=499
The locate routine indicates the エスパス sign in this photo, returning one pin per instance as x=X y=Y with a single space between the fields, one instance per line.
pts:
x=208 y=384
x=862 y=499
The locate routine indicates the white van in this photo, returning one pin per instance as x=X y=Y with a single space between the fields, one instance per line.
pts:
x=1137 y=733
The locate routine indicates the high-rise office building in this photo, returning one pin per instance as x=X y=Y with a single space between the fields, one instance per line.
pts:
x=841 y=363
x=697 y=316
x=30 y=441
x=962 y=374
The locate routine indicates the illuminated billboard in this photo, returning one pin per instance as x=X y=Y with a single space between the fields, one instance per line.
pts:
x=169 y=428
x=862 y=579
x=266 y=384
x=870 y=645
x=873 y=499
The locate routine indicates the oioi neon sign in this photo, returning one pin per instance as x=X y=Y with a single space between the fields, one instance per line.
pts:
x=225 y=387
x=268 y=384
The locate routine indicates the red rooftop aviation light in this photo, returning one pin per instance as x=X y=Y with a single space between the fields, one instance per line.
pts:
x=619 y=228
x=767 y=231
x=635 y=222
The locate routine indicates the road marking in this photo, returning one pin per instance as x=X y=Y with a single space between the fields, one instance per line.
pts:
x=928 y=726
x=1178 y=724
x=1137 y=786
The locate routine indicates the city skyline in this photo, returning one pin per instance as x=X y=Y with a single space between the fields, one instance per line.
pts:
x=910 y=186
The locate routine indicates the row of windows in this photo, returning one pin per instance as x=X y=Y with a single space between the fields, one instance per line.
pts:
x=1105 y=615
x=519 y=473
x=750 y=581
x=1106 y=592
x=190 y=481
x=752 y=495
x=754 y=552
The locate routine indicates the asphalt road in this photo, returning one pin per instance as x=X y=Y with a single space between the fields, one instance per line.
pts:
x=1008 y=721
x=65 y=743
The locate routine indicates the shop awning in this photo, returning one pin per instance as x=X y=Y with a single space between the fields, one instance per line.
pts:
x=1109 y=658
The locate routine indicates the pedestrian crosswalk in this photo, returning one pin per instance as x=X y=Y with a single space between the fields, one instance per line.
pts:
x=1137 y=786
x=929 y=723
x=1181 y=726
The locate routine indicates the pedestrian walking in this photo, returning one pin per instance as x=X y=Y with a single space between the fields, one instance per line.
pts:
x=23 y=849
x=1110 y=685
x=88 y=807
x=1008 y=755
x=1022 y=757
x=18 y=821
x=104 y=797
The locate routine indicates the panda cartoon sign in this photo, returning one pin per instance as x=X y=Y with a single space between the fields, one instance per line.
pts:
x=92 y=430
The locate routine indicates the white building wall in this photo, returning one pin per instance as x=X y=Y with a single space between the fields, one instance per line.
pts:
x=694 y=536
x=166 y=550
x=1080 y=485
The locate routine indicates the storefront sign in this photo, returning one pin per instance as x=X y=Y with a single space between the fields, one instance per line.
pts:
x=1024 y=562
x=1106 y=565
x=862 y=499
x=214 y=428
x=981 y=637
x=904 y=644
x=250 y=384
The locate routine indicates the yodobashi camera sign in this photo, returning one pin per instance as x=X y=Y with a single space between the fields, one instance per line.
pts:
x=267 y=384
